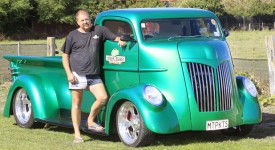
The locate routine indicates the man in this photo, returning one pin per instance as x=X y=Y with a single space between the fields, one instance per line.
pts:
x=80 y=60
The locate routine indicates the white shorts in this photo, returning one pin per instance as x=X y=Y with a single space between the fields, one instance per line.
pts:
x=83 y=81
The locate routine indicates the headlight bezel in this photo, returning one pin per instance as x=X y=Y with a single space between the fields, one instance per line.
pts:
x=250 y=87
x=152 y=95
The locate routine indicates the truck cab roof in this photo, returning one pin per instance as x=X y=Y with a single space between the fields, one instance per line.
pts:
x=139 y=14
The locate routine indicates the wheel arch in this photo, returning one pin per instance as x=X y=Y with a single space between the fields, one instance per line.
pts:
x=251 y=107
x=32 y=85
x=149 y=113
x=112 y=124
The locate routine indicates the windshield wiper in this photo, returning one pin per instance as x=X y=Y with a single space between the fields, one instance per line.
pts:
x=190 y=36
x=176 y=37
x=200 y=36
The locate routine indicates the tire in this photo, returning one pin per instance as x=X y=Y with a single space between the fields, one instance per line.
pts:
x=242 y=130
x=22 y=110
x=131 y=128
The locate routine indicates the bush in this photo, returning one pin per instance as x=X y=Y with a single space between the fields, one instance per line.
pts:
x=264 y=99
x=2 y=37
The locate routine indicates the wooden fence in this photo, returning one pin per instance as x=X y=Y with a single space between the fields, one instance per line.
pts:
x=270 y=47
x=24 y=50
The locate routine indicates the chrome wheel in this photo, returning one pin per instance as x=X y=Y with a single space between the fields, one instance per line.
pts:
x=131 y=128
x=22 y=110
x=22 y=106
x=128 y=123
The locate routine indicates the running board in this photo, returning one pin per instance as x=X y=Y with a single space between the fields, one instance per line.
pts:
x=67 y=122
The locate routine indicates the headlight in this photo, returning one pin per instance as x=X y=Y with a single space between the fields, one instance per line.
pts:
x=250 y=87
x=152 y=95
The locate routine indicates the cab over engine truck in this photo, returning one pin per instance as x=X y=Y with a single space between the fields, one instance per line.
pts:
x=175 y=74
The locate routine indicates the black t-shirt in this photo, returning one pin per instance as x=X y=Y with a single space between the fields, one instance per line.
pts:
x=83 y=49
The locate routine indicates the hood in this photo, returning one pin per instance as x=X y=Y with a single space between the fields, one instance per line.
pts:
x=207 y=49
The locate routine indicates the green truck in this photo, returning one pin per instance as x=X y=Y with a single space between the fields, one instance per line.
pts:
x=175 y=74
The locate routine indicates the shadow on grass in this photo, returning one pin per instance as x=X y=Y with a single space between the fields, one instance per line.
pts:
x=189 y=137
x=266 y=128
x=263 y=130
x=260 y=131
x=54 y=128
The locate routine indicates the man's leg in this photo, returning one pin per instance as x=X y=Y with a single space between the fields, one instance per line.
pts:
x=100 y=99
x=76 y=111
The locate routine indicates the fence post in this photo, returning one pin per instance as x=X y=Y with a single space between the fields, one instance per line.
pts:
x=18 y=48
x=2 y=79
x=270 y=47
x=50 y=46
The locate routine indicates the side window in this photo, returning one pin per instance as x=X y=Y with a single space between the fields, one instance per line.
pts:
x=118 y=27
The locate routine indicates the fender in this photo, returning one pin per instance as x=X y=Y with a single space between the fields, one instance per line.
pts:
x=153 y=116
x=251 y=108
x=43 y=106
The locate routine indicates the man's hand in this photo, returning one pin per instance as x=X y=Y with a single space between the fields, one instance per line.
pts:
x=71 y=78
x=121 y=43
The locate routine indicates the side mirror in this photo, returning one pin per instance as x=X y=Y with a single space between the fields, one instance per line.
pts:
x=225 y=32
x=126 y=37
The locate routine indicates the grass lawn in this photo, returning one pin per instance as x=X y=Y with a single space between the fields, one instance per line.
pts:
x=248 y=45
x=53 y=137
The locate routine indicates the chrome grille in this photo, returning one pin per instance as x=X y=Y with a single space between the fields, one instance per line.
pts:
x=225 y=86
x=203 y=83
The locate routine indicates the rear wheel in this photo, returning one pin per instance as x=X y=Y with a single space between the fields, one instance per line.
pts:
x=131 y=128
x=22 y=110
x=242 y=130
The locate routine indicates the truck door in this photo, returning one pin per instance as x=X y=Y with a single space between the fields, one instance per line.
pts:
x=120 y=65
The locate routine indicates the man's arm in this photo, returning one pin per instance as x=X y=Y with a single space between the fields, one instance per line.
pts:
x=65 y=61
x=110 y=35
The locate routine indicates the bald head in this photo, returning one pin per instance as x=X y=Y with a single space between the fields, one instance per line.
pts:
x=83 y=20
x=81 y=12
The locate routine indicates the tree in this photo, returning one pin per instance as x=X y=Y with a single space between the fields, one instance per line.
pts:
x=144 y=4
x=55 y=11
x=14 y=16
x=63 y=11
x=248 y=8
x=211 y=5
x=95 y=7
x=17 y=16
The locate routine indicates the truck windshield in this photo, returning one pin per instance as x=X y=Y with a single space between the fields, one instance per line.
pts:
x=179 y=28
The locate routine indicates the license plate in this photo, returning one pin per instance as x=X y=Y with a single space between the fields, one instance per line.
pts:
x=217 y=124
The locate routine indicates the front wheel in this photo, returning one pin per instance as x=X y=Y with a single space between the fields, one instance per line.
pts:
x=131 y=128
x=22 y=110
x=242 y=130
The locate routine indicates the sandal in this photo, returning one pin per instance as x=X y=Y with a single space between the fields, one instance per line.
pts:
x=78 y=140
x=96 y=128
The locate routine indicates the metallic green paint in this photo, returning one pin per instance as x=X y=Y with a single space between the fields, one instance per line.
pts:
x=251 y=108
x=161 y=63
